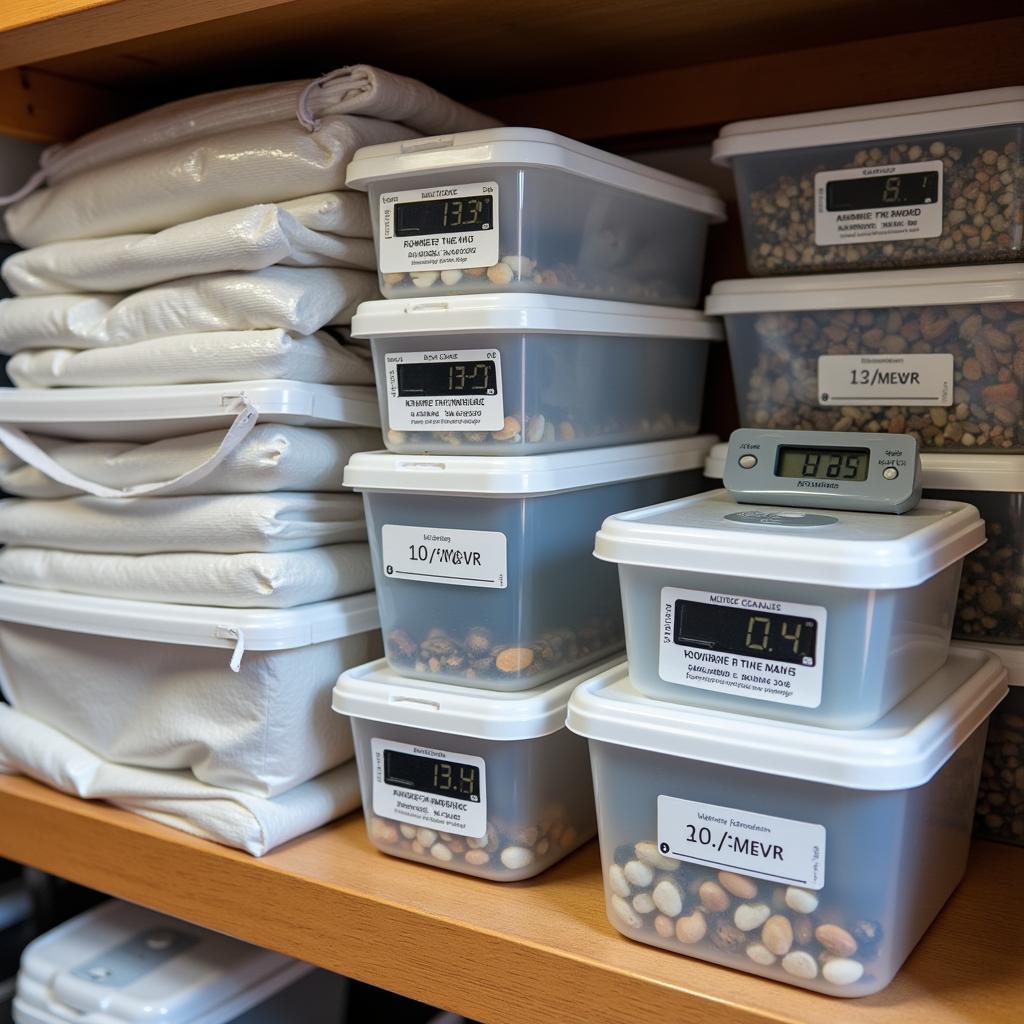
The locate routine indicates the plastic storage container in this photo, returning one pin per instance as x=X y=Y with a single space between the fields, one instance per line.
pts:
x=934 y=353
x=482 y=564
x=518 y=374
x=518 y=209
x=906 y=184
x=241 y=697
x=489 y=784
x=990 y=606
x=829 y=618
x=119 y=964
x=806 y=855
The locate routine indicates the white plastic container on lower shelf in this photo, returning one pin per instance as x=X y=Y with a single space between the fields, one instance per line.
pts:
x=489 y=784
x=121 y=964
x=483 y=564
x=824 y=617
x=806 y=855
x=153 y=685
x=519 y=209
x=517 y=374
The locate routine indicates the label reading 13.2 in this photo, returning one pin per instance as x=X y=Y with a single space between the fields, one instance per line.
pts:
x=777 y=849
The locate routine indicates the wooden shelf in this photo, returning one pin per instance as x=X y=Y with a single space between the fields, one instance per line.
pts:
x=525 y=953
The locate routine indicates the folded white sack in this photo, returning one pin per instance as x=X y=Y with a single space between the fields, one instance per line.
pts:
x=296 y=299
x=273 y=457
x=216 y=523
x=357 y=89
x=177 y=799
x=208 y=358
x=250 y=580
x=248 y=239
x=153 y=190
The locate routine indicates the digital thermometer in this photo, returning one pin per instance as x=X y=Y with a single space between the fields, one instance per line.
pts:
x=824 y=469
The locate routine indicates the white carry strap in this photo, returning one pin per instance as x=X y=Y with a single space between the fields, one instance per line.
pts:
x=20 y=444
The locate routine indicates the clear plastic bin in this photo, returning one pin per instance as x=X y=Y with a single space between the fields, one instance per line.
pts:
x=519 y=209
x=990 y=605
x=121 y=964
x=828 y=618
x=907 y=184
x=489 y=784
x=523 y=374
x=483 y=564
x=809 y=856
x=938 y=354
x=1000 y=811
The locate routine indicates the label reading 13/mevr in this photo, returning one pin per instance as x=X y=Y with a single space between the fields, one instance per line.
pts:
x=465 y=558
x=747 y=646
x=446 y=227
x=777 y=849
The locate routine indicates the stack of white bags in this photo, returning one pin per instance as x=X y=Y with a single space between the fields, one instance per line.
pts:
x=209 y=241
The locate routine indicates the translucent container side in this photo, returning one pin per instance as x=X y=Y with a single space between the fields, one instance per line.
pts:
x=990 y=608
x=782 y=365
x=559 y=609
x=1000 y=811
x=538 y=795
x=891 y=861
x=982 y=203
x=879 y=646
x=557 y=392
x=562 y=234
x=261 y=730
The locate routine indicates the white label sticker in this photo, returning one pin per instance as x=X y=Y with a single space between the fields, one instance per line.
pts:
x=747 y=646
x=867 y=204
x=759 y=845
x=445 y=390
x=886 y=380
x=447 y=227
x=429 y=788
x=465 y=558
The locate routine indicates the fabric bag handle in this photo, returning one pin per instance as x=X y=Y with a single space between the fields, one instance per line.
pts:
x=21 y=445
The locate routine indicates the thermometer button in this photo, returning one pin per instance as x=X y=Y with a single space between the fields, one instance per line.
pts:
x=890 y=472
x=748 y=461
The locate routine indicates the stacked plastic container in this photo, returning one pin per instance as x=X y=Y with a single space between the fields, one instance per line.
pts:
x=792 y=732
x=529 y=388
x=185 y=575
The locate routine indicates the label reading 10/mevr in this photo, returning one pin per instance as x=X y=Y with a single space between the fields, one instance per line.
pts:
x=747 y=646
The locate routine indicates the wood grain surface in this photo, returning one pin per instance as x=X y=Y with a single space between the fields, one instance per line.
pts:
x=532 y=952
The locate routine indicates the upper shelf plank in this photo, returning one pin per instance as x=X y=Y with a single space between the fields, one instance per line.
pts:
x=44 y=108
x=526 y=953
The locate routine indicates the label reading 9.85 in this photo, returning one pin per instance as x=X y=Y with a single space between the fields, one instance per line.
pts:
x=777 y=849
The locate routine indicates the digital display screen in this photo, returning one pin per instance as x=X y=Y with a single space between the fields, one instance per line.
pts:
x=430 y=775
x=431 y=379
x=444 y=216
x=823 y=463
x=754 y=634
x=918 y=188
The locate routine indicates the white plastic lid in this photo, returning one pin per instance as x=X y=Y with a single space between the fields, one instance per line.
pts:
x=167 y=410
x=876 y=121
x=902 y=750
x=496 y=476
x=540 y=314
x=878 y=289
x=854 y=550
x=525 y=147
x=956 y=471
x=260 y=629
x=1011 y=655
x=376 y=693
x=159 y=968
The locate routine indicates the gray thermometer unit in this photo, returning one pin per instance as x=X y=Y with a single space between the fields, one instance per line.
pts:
x=824 y=469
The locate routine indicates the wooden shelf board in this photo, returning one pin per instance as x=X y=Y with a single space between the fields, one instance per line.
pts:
x=529 y=953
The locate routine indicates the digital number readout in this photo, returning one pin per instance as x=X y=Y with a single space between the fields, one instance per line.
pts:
x=919 y=188
x=434 y=379
x=823 y=463
x=432 y=775
x=755 y=634
x=444 y=216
